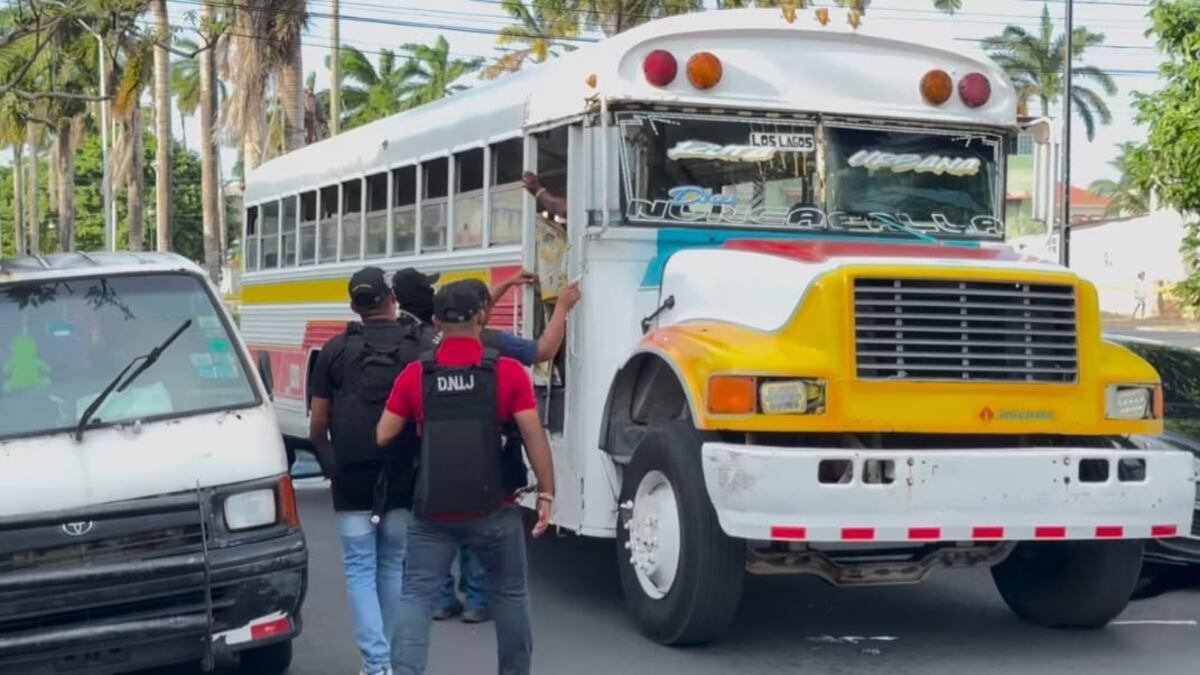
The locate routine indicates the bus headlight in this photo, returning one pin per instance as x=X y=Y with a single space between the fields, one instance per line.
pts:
x=248 y=510
x=792 y=397
x=1132 y=402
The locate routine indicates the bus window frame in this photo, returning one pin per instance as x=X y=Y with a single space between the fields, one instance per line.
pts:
x=482 y=192
x=295 y=261
x=422 y=202
x=393 y=209
x=344 y=219
x=256 y=237
x=820 y=122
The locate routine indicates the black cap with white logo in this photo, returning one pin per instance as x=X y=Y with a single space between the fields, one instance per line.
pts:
x=456 y=302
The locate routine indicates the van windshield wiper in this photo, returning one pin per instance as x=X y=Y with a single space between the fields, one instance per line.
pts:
x=121 y=381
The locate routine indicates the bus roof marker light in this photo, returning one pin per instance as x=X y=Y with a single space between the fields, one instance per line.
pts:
x=704 y=70
x=660 y=68
x=936 y=87
x=974 y=90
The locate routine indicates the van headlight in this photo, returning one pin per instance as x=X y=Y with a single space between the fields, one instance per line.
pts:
x=1132 y=402
x=248 y=510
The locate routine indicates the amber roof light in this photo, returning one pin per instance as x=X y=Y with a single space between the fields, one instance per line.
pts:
x=704 y=70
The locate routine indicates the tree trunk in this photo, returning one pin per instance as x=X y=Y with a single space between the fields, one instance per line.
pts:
x=162 y=123
x=208 y=154
x=291 y=97
x=66 y=187
x=52 y=174
x=252 y=146
x=222 y=216
x=33 y=227
x=136 y=182
x=335 y=77
x=183 y=130
x=18 y=199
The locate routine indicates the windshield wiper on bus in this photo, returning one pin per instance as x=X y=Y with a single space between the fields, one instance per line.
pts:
x=121 y=381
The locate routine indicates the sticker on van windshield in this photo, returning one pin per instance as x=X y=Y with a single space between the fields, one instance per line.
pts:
x=212 y=366
x=211 y=326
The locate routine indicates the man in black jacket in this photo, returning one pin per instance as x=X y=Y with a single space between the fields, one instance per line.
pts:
x=350 y=384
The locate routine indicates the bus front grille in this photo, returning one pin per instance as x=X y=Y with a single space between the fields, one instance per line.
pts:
x=966 y=331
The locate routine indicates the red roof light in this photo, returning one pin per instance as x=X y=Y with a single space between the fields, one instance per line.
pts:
x=974 y=90
x=660 y=68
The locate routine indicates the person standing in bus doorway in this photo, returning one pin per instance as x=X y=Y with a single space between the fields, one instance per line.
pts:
x=459 y=397
x=351 y=381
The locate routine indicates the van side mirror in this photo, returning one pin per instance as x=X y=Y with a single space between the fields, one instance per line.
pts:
x=264 y=371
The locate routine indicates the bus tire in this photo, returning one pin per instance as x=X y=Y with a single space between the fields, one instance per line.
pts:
x=1079 y=584
x=693 y=598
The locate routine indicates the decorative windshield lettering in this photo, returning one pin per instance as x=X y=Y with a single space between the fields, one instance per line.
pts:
x=807 y=218
x=901 y=163
x=721 y=153
x=693 y=194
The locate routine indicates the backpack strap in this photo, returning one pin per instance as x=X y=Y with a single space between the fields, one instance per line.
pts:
x=490 y=356
x=354 y=328
x=428 y=362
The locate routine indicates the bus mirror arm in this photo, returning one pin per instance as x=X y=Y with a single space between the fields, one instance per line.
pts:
x=605 y=216
x=669 y=303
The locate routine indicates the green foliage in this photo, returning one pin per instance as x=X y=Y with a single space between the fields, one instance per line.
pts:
x=1171 y=161
x=1126 y=196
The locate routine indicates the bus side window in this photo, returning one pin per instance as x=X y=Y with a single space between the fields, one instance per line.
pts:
x=251 y=261
x=352 y=226
x=288 y=225
x=270 y=235
x=404 y=220
x=376 y=203
x=329 y=224
x=308 y=228
x=435 y=181
x=552 y=161
x=507 y=166
x=468 y=199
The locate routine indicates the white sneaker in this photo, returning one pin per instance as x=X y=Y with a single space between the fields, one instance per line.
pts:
x=386 y=671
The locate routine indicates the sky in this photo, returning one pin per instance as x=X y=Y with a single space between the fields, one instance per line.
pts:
x=470 y=27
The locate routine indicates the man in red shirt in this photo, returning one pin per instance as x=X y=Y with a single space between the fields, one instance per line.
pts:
x=465 y=492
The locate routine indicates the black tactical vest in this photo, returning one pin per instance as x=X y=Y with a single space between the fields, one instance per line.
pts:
x=461 y=464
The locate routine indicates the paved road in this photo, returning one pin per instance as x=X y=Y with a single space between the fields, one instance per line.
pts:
x=953 y=623
x=1171 y=337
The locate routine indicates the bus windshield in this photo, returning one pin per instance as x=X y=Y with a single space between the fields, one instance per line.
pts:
x=63 y=341
x=780 y=173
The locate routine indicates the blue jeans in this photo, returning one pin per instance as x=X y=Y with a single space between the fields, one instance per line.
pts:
x=373 y=558
x=472 y=580
x=499 y=543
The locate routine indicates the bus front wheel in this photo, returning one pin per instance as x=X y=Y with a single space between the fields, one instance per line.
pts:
x=1078 y=584
x=681 y=575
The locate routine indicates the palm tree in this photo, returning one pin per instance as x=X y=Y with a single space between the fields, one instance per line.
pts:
x=266 y=42
x=369 y=94
x=335 y=72
x=1035 y=63
x=615 y=16
x=162 y=125
x=207 y=90
x=12 y=134
x=948 y=6
x=435 y=72
x=1126 y=197
x=540 y=27
x=128 y=155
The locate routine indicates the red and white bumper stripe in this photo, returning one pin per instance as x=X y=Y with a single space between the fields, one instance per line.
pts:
x=1006 y=494
x=262 y=628
x=978 y=533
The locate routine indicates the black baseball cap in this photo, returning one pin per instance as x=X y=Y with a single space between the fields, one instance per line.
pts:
x=409 y=279
x=481 y=289
x=456 y=302
x=368 y=288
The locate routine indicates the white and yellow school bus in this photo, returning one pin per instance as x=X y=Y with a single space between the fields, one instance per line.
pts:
x=803 y=346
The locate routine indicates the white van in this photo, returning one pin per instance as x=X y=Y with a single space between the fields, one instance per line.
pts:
x=146 y=513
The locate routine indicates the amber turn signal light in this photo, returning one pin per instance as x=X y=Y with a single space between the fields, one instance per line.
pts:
x=936 y=87
x=704 y=70
x=732 y=395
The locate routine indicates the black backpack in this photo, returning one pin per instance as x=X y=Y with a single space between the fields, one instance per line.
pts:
x=369 y=370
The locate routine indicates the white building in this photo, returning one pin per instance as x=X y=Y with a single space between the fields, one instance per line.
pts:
x=1112 y=253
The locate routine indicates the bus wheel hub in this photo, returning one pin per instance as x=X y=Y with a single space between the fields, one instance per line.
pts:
x=654 y=538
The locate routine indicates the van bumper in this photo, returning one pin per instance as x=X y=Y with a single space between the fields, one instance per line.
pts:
x=825 y=495
x=119 y=616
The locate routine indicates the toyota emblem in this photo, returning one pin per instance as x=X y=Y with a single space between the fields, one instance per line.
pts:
x=78 y=529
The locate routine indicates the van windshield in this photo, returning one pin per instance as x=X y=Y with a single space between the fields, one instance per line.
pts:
x=63 y=341
x=793 y=174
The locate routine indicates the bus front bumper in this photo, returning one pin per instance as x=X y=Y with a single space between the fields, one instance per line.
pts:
x=811 y=494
